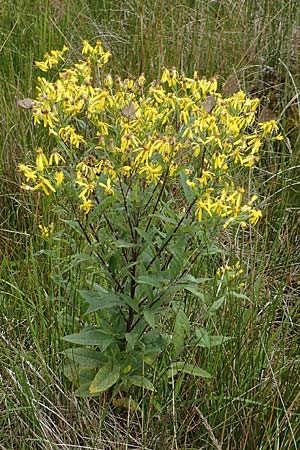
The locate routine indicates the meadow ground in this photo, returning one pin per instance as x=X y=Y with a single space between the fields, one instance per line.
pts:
x=254 y=398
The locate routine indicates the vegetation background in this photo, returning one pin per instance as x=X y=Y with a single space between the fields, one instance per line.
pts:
x=254 y=400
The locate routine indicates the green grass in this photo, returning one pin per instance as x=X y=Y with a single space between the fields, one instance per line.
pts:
x=253 y=400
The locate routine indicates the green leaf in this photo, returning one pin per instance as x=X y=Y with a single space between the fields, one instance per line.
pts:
x=83 y=391
x=164 y=218
x=154 y=279
x=75 y=225
x=188 y=278
x=214 y=250
x=99 y=209
x=85 y=357
x=181 y=329
x=120 y=243
x=148 y=237
x=154 y=341
x=131 y=339
x=115 y=260
x=98 y=300
x=90 y=337
x=143 y=382
x=189 y=194
x=205 y=340
x=106 y=377
x=215 y=306
x=132 y=302
x=193 y=290
x=239 y=295
x=149 y=317
x=190 y=369
x=71 y=372
x=182 y=321
x=126 y=403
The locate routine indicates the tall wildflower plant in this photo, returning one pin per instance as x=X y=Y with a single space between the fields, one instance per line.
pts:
x=146 y=175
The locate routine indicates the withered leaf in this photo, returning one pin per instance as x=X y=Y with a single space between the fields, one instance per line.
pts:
x=209 y=103
x=231 y=85
x=129 y=110
x=266 y=114
x=25 y=103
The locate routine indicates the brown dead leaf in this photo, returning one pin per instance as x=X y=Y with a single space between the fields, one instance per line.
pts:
x=231 y=85
x=25 y=103
x=266 y=115
x=209 y=103
x=129 y=111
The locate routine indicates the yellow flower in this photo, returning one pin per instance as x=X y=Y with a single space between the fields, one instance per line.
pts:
x=59 y=177
x=51 y=59
x=255 y=216
x=191 y=184
x=86 y=206
x=268 y=127
x=86 y=47
x=153 y=172
x=41 y=160
x=46 y=231
x=44 y=185
x=107 y=187
x=87 y=190
x=29 y=173
x=170 y=77
x=55 y=158
x=206 y=176
x=68 y=134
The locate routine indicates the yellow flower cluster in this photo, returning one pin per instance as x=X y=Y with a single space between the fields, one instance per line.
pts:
x=38 y=175
x=51 y=59
x=46 y=231
x=110 y=131
x=231 y=272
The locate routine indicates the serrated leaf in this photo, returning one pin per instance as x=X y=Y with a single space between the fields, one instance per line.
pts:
x=90 y=337
x=131 y=339
x=115 y=260
x=182 y=322
x=140 y=381
x=164 y=218
x=106 y=377
x=85 y=357
x=120 y=243
x=181 y=329
x=83 y=391
x=147 y=236
x=75 y=225
x=132 y=302
x=154 y=340
x=193 y=290
x=154 y=279
x=215 y=306
x=205 y=340
x=190 y=369
x=71 y=372
x=98 y=300
x=149 y=317
x=239 y=295
x=101 y=207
